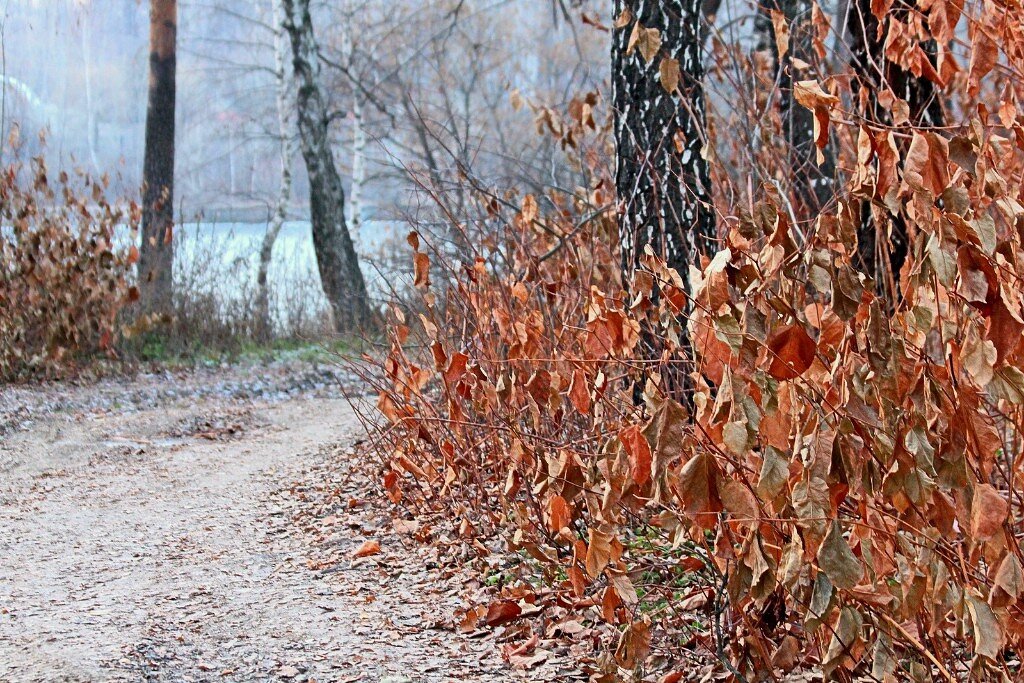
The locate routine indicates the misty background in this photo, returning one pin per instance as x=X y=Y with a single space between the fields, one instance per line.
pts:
x=433 y=82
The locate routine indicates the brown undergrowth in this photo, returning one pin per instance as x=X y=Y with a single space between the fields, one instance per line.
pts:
x=841 y=493
x=65 y=271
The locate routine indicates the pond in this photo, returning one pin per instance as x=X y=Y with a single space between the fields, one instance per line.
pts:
x=222 y=260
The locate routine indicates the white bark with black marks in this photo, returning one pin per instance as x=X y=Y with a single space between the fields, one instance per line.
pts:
x=662 y=178
x=286 y=131
x=340 y=276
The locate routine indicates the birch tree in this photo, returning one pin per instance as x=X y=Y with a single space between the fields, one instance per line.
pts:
x=286 y=130
x=661 y=176
x=340 y=276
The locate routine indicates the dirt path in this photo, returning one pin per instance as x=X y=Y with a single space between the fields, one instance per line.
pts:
x=150 y=544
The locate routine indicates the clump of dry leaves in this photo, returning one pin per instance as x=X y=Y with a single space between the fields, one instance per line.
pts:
x=840 y=493
x=64 y=272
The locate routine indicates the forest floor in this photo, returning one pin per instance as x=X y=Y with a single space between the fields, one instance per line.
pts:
x=185 y=526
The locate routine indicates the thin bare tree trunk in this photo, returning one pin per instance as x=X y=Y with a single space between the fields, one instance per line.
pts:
x=340 y=276
x=358 y=168
x=156 y=256
x=90 y=113
x=355 y=200
x=285 y=124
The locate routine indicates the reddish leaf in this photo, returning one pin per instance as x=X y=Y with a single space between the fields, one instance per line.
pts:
x=639 y=452
x=791 y=352
x=502 y=612
x=421 y=263
x=539 y=387
x=367 y=549
x=698 y=490
x=559 y=514
x=456 y=368
x=579 y=393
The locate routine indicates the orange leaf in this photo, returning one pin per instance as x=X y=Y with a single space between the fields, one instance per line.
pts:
x=539 y=386
x=578 y=580
x=600 y=551
x=579 y=393
x=781 y=27
x=639 y=452
x=983 y=59
x=927 y=164
x=367 y=548
x=422 y=270
x=698 y=490
x=502 y=612
x=456 y=368
x=988 y=512
x=792 y=352
x=610 y=601
x=559 y=514
x=634 y=645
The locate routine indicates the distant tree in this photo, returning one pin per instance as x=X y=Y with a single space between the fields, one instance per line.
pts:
x=156 y=258
x=787 y=30
x=285 y=124
x=340 y=276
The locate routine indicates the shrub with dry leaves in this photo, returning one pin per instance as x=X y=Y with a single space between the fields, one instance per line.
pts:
x=842 y=490
x=64 y=274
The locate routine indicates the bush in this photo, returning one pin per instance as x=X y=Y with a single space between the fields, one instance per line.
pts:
x=65 y=269
x=843 y=486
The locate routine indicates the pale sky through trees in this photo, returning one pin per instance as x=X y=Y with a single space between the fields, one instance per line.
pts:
x=77 y=68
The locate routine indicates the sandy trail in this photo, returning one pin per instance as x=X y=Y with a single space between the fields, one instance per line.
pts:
x=150 y=545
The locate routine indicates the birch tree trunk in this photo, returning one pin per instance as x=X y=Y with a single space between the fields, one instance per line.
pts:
x=340 y=276
x=90 y=113
x=355 y=200
x=156 y=255
x=358 y=169
x=662 y=179
x=286 y=126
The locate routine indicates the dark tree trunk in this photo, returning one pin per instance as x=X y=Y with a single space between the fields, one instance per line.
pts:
x=340 y=276
x=156 y=256
x=883 y=258
x=813 y=183
x=662 y=180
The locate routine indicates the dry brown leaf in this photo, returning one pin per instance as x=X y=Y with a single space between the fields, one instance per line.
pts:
x=791 y=350
x=988 y=512
x=367 y=549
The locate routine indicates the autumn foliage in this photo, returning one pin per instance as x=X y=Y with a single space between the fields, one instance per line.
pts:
x=843 y=487
x=64 y=274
